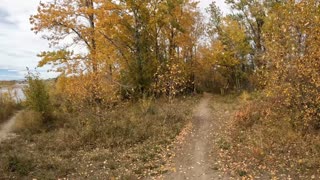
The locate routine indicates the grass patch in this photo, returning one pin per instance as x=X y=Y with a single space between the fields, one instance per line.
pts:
x=18 y=164
x=223 y=144
x=28 y=122
x=265 y=143
x=128 y=142
x=8 y=106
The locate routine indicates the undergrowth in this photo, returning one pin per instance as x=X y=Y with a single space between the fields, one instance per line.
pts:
x=8 y=106
x=127 y=141
x=265 y=142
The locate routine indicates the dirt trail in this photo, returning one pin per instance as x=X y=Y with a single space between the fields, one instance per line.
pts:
x=6 y=128
x=194 y=159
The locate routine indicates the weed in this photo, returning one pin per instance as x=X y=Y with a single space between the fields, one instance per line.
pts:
x=124 y=141
x=19 y=164
x=265 y=139
x=223 y=144
x=242 y=173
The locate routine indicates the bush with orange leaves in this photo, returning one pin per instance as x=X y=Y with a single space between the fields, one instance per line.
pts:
x=284 y=124
x=293 y=69
x=89 y=90
x=170 y=81
x=291 y=75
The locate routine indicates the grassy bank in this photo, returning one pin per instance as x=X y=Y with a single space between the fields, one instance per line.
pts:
x=7 y=83
x=128 y=141
x=8 y=106
x=261 y=142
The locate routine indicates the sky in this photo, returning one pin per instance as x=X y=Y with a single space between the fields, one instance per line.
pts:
x=19 y=46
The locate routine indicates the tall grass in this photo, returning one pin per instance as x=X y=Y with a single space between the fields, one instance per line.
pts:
x=7 y=105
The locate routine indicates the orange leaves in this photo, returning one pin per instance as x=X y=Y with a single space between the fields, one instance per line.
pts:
x=170 y=81
x=70 y=26
x=127 y=39
x=293 y=64
x=65 y=62
x=87 y=90
x=52 y=57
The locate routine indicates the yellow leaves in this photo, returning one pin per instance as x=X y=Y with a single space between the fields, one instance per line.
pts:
x=66 y=24
x=116 y=34
x=86 y=90
x=174 y=169
x=54 y=56
x=293 y=64
x=170 y=81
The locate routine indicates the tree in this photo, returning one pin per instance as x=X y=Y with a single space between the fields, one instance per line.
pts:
x=71 y=27
x=251 y=14
x=69 y=24
x=227 y=51
x=292 y=73
x=126 y=42
x=180 y=35
x=149 y=35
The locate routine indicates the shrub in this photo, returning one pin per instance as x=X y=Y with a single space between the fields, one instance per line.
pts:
x=265 y=133
x=255 y=112
x=85 y=91
x=37 y=97
x=292 y=74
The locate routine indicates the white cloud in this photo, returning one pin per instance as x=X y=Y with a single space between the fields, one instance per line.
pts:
x=205 y=3
x=18 y=45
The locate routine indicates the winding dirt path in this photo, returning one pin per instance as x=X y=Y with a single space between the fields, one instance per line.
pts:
x=194 y=159
x=7 y=127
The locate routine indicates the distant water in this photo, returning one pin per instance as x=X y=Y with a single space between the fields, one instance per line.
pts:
x=15 y=91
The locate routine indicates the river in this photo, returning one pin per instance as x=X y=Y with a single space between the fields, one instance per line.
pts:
x=16 y=91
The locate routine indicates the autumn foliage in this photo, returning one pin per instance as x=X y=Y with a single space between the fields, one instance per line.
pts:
x=127 y=69
x=111 y=50
x=293 y=69
x=279 y=131
x=119 y=45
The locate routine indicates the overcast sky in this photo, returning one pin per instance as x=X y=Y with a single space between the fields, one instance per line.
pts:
x=19 y=46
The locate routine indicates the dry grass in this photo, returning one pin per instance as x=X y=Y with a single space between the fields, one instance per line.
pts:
x=7 y=83
x=262 y=142
x=28 y=122
x=7 y=106
x=128 y=142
